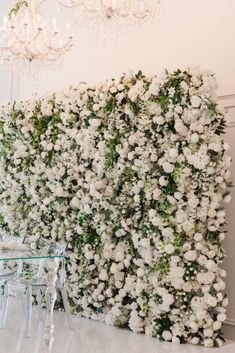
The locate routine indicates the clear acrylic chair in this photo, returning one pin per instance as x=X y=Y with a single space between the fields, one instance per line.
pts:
x=37 y=284
x=7 y=274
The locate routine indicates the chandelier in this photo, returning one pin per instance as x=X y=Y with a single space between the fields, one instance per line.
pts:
x=26 y=36
x=112 y=14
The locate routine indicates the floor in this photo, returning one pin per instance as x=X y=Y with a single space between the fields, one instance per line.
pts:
x=89 y=337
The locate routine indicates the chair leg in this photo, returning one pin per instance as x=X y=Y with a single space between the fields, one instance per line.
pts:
x=66 y=307
x=4 y=305
x=28 y=310
x=39 y=302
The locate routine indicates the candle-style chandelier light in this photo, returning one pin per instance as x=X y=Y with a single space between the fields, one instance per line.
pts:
x=120 y=15
x=26 y=35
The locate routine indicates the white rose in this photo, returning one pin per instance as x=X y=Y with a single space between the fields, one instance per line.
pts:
x=198 y=237
x=194 y=326
x=168 y=167
x=221 y=317
x=156 y=194
x=74 y=202
x=194 y=138
x=190 y=255
x=167 y=335
x=195 y=101
x=163 y=181
x=113 y=89
x=159 y=120
x=187 y=287
x=210 y=300
x=87 y=209
x=95 y=122
x=103 y=276
x=173 y=152
x=211 y=266
x=176 y=340
x=154 y=89
x=208 y=333
x=217 y=325
x=59 y=191
x=227 y=199
x=169 y=249
x=201 y=314
x=152 y=213
x=195 y=340
x=208 y=342
x=167 y=233
x=187 y=226
x=222 y=236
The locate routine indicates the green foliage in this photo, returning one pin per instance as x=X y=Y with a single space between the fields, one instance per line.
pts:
x=112 y=155
x=17 y=7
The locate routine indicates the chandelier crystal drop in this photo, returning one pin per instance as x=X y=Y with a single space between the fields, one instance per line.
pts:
x=27 y=36
x=120 y=15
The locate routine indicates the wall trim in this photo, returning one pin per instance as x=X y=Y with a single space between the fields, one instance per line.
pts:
x=227 y=101
x=229 y=321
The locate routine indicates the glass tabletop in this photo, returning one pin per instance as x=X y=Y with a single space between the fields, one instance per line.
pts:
x=26 y=254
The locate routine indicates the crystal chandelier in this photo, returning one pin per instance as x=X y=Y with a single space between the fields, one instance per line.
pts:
x=26 y=36
x=119 y=15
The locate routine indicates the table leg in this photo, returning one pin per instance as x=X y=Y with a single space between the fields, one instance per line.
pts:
x=51 y=295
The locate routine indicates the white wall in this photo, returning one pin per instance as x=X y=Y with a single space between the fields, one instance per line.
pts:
x=186 y=32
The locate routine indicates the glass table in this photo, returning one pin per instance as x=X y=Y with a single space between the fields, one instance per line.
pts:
x=51 y=262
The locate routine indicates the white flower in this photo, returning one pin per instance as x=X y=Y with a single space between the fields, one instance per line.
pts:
x=194 y=326
x=187 y=226
x=180 y=127
x=221 y=317
x=169 y=249
x=75 y=202
x=168 y=167
x=227 y=199
x=156 y=194
x=95 y=122
x=190 y=255
x=195 y=101
x=59 y=191
x=217 y=325
x=210 y=300
x=195 y=340
x=154 y=89
x=208 y=342
x=87 y=209
x=208 y=332
x=159 y=120
x=173 y=152
x=163 y=181
x=167 y=335
x=211 y=265
x=167 y=233
x=198 y=237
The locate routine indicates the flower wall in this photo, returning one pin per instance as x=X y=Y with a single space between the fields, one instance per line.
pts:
x=132 y=174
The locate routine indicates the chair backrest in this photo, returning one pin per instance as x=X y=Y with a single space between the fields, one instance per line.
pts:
x=18 y=240
x=58 y=248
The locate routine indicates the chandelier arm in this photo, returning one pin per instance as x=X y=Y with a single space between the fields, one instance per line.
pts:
x=63 y=48
x=21 y=40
